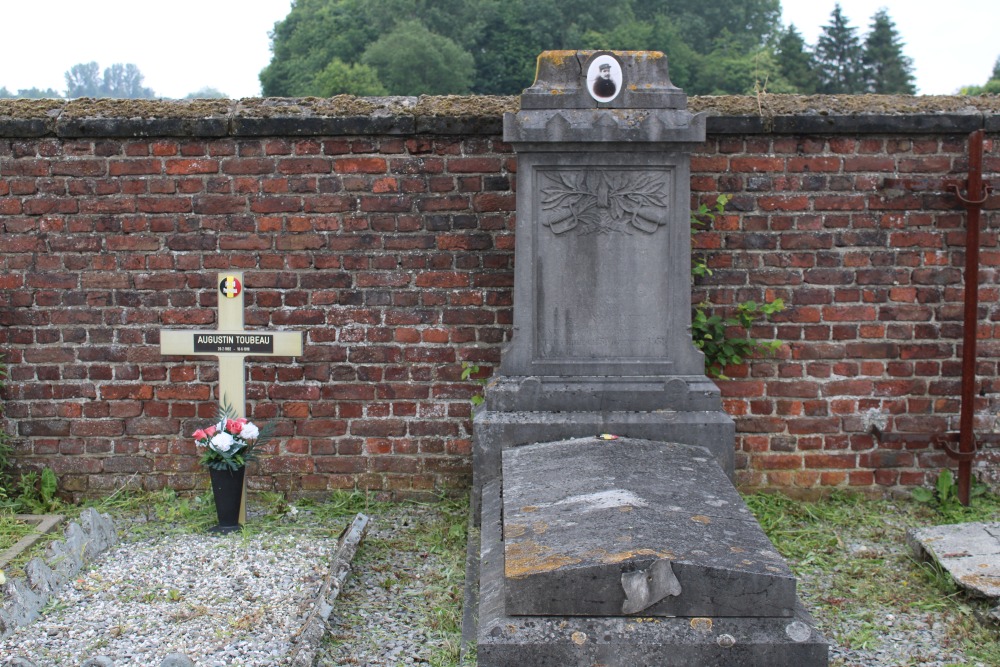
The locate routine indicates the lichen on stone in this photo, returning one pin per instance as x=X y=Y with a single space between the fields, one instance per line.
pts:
x=22 y=109
x=86 y=107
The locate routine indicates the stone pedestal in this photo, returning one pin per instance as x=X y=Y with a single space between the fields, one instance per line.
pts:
x=602 y=287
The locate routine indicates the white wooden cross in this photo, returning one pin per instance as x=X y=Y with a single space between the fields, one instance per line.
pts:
x=231 y=344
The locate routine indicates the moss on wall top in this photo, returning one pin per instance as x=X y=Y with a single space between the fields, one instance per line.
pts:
x=346 y=114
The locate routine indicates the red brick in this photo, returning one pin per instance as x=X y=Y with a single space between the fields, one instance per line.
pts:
x=134 y=167
x=757 y=164
x=187 y=167
x=360 y=165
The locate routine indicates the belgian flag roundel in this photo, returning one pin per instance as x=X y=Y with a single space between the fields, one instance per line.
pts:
x=230 y=287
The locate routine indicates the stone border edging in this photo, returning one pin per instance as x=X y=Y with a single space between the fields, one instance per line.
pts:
x=45 y=524
x=23 y=598
x=307 y=642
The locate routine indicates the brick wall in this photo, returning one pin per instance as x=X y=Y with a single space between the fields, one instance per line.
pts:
x=388 y=239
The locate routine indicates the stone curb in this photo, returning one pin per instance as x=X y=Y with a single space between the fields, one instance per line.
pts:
x=84 y=540
x=44 y=524
x=310 y=636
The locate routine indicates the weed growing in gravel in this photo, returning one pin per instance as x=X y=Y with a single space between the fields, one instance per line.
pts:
x=860 y=580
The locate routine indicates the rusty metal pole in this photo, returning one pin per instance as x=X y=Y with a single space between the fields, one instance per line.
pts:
x=973 y=201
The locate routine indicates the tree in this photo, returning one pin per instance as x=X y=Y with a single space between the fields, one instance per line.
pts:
x=748 y=23
x=796 y=63
x=30 y=93
x=206 y=93
x=503 y=38
x=888 y=70
x=339 y=78
x=991 y=87
x=839 y=57
x=83 y=80
x=412 y=60
x=119 y=80
x=125 y=82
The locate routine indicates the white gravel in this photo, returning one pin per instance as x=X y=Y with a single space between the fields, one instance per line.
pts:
x=221 y=601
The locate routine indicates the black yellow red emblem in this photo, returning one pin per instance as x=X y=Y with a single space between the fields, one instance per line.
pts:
x=230 y=287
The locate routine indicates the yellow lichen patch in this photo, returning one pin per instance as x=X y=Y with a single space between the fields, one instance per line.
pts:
x=623 y=556
x=701 y=518
x=737 y=550
x=579 y=638
x=701 y=624
x=527 y=558
x=625 y=508
x=514 y=530
x=539 y=527
x=528 y=509
x=980 y=580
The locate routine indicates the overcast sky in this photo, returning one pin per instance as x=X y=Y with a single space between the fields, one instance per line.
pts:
x=184 y=45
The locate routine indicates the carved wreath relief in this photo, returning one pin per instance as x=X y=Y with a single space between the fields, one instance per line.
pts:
x=603 y=201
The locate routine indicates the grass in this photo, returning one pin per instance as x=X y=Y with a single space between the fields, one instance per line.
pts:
x=860 y=580
x=856 y=573
x=12 y=530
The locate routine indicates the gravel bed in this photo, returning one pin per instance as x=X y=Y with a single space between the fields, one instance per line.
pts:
x=221 y=601
x=387 y=614
x=237 y=601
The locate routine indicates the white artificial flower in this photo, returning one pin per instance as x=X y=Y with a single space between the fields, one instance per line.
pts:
x=250 y=431
x=221 y=442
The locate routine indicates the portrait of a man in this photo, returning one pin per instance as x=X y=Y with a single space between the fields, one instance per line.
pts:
x=603 y=85
x=604 y=78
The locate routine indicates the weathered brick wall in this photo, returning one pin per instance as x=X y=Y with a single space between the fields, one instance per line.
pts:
x=387 y=236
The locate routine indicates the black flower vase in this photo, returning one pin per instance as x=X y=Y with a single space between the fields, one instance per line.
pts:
x=227 y=487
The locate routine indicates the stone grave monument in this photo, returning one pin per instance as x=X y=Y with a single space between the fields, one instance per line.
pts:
x=611 y=533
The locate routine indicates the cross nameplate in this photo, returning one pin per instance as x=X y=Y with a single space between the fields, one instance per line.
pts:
x=231 y=344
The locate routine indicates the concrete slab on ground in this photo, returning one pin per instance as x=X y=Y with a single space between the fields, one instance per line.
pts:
x=969 y=552
x=633 y=641
x=649 y=528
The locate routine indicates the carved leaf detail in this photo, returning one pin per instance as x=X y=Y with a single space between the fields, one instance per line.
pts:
x=603 y=201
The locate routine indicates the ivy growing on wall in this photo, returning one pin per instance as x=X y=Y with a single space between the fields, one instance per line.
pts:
x=725 y=338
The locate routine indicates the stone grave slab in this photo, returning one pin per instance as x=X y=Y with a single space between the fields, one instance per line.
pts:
x=970 y=552
x=507 y=640
x=658 y=520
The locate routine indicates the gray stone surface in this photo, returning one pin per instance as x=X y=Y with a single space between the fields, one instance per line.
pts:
x=602 y=277
x=83 y=540
x=568 y=641
x=496 y=431
x=620 y=552
x=602 y=285
x=561 y=75
x=969 y=552
x=584 y=514
x=604 y=394
x=98 y=661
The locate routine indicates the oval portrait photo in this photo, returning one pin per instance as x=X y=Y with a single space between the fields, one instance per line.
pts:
x=604 y=78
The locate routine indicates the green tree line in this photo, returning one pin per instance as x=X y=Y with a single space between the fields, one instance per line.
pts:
x=120 y=80
x=412 y=47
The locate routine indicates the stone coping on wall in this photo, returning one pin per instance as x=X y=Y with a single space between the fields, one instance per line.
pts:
x=463 y=115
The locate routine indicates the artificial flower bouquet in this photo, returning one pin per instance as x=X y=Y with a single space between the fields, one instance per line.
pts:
x=229 y=444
